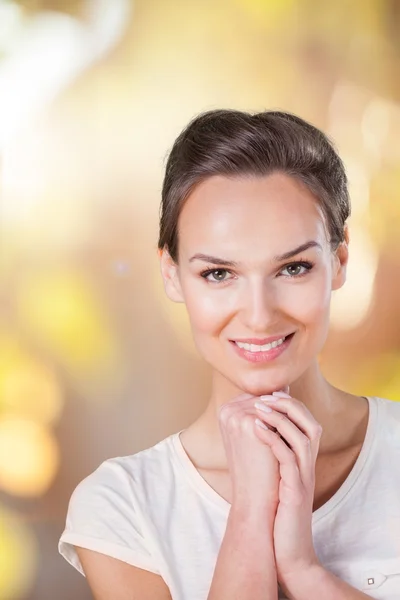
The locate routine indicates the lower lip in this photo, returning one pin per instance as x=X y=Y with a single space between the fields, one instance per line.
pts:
x=267 y=355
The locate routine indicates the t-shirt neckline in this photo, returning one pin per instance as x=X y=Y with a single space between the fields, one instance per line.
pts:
x=201 y=485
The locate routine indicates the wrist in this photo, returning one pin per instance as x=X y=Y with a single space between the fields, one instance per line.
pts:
x=302 y=584
x=253 y=527
x=261 y=515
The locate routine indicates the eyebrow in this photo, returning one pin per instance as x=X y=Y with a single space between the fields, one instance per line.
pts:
x=279 y=258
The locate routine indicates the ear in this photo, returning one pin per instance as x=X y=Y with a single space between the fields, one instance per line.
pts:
x=340 y=261
x=170 y=275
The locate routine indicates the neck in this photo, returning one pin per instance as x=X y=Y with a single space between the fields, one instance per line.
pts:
x=334 y=409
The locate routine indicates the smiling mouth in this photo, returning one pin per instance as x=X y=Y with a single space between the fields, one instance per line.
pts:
x=262 y=348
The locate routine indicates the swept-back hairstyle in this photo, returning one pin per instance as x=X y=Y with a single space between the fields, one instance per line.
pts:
x=235 y=143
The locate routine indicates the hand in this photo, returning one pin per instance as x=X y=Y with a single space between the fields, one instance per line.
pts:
x=253 y=468
x=293 y=542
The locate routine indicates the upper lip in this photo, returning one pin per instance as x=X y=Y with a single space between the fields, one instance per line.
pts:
x=263 y=341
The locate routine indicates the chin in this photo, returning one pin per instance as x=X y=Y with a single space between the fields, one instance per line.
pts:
x=262 y=385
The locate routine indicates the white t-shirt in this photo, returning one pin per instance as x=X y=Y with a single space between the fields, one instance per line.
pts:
x=155 y=511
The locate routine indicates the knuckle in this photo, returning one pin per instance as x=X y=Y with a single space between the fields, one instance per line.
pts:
x=222 y=417
x=291 y=458
x=238 y=422
x=317 y=432
x=276 y=438
x=279 y=416
x=234 y=421
x=222 y=409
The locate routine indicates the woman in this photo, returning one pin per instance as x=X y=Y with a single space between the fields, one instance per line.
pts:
x=267 y=492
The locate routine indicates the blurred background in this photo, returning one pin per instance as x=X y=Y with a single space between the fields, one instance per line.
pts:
x=95 y=362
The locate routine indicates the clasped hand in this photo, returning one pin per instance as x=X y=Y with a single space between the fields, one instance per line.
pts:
x=293 y=542
x=293 y=437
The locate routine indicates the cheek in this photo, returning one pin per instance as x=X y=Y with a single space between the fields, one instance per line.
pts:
x=211 y=309
x=309 y=303
x=206 y=311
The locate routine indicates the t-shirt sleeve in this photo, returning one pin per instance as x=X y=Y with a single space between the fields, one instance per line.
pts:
x=104 y=515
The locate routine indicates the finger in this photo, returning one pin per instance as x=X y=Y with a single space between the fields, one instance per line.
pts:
x=284 y=391
x=288 y=465
x=229 y=409
x=299 y=443
x=240 y=398
x=299 y=414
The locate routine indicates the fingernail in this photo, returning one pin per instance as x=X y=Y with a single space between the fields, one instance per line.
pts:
x=281 y=394
x=262 y=407
x=261 y=424
x=268 y=398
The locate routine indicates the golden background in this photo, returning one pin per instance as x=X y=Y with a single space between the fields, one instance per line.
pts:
x=95 y=362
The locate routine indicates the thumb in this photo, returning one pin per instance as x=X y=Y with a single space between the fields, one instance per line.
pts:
x=285 y=390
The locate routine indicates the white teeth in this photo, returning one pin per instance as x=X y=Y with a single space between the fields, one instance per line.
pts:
x=256 y=348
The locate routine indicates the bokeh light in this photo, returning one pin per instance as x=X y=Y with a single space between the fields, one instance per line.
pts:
x=27 y=387
x=350 y=304
x=29 y=456
x=64 y=314
x=18 y=556
x=92 y=95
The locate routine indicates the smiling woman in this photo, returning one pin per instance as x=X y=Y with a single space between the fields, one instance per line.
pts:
x=253 y=226
x=266 y=493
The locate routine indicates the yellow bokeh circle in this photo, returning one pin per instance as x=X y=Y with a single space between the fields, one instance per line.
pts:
x=18 y=556
x=29 y=457
x=28 y=387
x=31 y=390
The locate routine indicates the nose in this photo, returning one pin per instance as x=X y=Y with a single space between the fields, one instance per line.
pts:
x=258 y=307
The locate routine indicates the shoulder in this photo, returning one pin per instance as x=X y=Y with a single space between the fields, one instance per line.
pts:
x=127 y=475
x=388 y=422
x=389 y=408
x=108 y=509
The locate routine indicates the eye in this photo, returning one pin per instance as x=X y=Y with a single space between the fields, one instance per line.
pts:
x=218 y=275
x=297 y=269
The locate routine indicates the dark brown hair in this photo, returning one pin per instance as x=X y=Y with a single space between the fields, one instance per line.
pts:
x=235 y=143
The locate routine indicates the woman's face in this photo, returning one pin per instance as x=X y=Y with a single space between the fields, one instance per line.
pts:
x=240 y=289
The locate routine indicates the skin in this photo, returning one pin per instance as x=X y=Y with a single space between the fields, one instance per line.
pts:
x=250 y=220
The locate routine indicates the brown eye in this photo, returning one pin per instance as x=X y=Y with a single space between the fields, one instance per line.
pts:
x=218 y=274
x=215 y=275
x=294 y=269
x=297 y=269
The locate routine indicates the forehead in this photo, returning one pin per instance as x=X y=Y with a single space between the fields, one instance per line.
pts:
x=238 y=213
